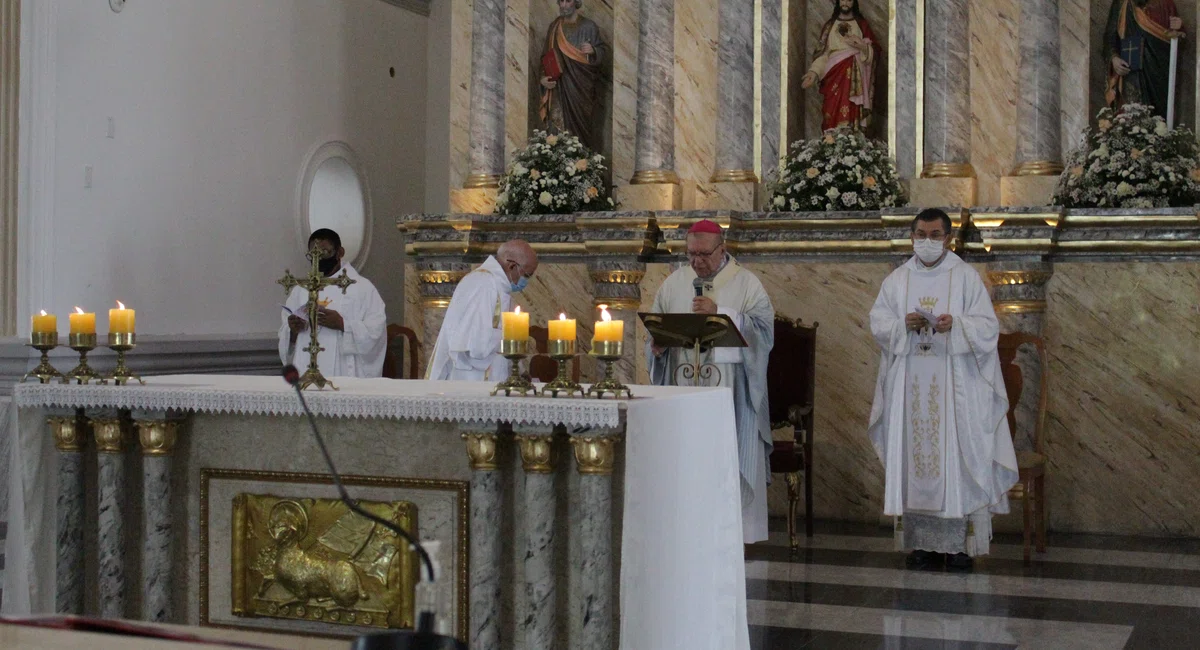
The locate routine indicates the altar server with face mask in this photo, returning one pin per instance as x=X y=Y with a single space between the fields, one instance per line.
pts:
x=468 y=347
x=939 y=422
x=351 y=326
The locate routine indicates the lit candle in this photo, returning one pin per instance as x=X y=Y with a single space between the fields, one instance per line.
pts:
x=83 y=323
x=562 y=329
x=515 y=325
x=44 y=323
x=121 y=320
x=608 y=329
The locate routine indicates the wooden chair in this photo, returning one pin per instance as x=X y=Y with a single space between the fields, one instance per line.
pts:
x=541 y=367
x=791 y=372
x=1031 y=486
x=393 y=360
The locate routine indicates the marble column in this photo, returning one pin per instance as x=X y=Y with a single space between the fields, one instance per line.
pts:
x=1019 y=297
x=69 y=431
x=655 y=142
x=618 y=284
x=537 y=460
x=157 y=436
x=902 y=101
x=111 y=518
x=771 y=100
x=485 y=539
x=436 y=282
x=10 y=64
x=594 y=455
x=735 y=93
x=1039 y=144
x=487 y=94
x=947 y=88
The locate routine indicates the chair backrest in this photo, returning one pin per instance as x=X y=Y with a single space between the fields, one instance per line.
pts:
x=393 y=360
x=541 y=367
x=1014 y=381
x=791 y=372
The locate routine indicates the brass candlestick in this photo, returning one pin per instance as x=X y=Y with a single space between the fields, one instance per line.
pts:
x=515 y=351
x=313 y=283
x=44 y=342
x=562 y=352
x=122 y=342
x=82 y=373
x=608 y=353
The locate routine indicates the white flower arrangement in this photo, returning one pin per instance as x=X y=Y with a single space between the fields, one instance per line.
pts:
x=1131 y=160
x=554 y=174
x=841 y=170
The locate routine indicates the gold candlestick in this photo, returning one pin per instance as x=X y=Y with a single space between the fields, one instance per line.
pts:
x=44 y=342
x=562 y=352
x=608 y=353
x=122 y=342
x=82 y=373
x=514 y=351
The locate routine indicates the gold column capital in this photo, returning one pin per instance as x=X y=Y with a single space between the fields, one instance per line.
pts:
x=68 y=432
x=594 y=454
x=537 y=453
x=948 y=170
x=481 y=450
x=157 y=437
x=109 y=436
x=655 y=177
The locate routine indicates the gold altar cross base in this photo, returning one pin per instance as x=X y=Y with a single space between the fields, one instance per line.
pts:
x=313 y=283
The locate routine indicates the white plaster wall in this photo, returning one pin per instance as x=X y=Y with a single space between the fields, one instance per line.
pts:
x=216 y=104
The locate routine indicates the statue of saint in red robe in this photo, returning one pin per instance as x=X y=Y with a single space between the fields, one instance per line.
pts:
x=844 y=63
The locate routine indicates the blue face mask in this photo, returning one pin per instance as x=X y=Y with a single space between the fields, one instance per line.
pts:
x=520 y=284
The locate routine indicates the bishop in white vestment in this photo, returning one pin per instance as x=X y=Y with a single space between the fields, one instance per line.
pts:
x=352 y=327
x=468 y=346
x=938 y=422
x=727 y=288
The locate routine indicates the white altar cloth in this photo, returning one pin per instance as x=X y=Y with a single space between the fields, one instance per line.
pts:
x=682 y=572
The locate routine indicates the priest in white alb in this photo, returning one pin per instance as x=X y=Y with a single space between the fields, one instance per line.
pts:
x=468 y=347
x=352 y=326
x=939 y=422
x=726 y=287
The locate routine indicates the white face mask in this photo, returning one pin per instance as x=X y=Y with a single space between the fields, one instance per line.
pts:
x=928 y=250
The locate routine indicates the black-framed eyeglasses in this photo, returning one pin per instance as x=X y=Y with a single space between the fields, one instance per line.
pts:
x=692 y=255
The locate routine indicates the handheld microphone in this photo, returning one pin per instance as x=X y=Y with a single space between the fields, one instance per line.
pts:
x=698 y=285
x=424 y=637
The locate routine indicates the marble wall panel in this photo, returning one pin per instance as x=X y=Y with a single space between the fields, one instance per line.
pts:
x=1074 y=71
x=696 y=31
x=1124 y=387
x=994 y=61
x=519 y=37
x=819 y=11
x=624 y=95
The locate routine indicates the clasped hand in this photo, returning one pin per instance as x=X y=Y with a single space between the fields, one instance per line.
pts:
x=915 y=321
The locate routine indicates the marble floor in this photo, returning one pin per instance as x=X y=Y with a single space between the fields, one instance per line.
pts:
x=846 y=588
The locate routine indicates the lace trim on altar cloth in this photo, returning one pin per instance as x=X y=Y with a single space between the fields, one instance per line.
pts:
x=343 y=404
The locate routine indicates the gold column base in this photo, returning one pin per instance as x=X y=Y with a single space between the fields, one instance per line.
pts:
x=478 y=181
x=947 y=170
x=1020 y=307
x=1037 y=168
x=733 y=176
x=654 y=177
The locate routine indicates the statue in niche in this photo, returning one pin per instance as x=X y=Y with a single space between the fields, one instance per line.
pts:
x=1137 y=48
x=844 y=63
x=572 y=71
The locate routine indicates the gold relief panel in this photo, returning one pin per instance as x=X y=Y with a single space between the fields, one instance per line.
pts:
x=314 y=559
x=441 y=277
x=618 y=277
x=1018 y=277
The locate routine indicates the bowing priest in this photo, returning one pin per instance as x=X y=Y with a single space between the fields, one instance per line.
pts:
x=938 y=422
x=468 y=347
x=725 y=287
x=352 y=327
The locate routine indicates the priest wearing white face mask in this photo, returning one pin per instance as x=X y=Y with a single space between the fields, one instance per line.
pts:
x=468 y=347
x=938 y=422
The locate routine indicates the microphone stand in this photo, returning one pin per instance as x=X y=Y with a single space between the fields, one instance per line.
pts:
x=424 y=637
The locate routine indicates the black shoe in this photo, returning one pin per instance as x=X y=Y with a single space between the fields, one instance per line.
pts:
x=923 y=560
x=960 y=562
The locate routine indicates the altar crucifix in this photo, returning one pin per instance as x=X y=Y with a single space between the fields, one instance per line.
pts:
x=313 y=283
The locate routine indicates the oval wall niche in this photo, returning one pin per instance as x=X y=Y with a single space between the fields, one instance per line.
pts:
x=334 y=194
